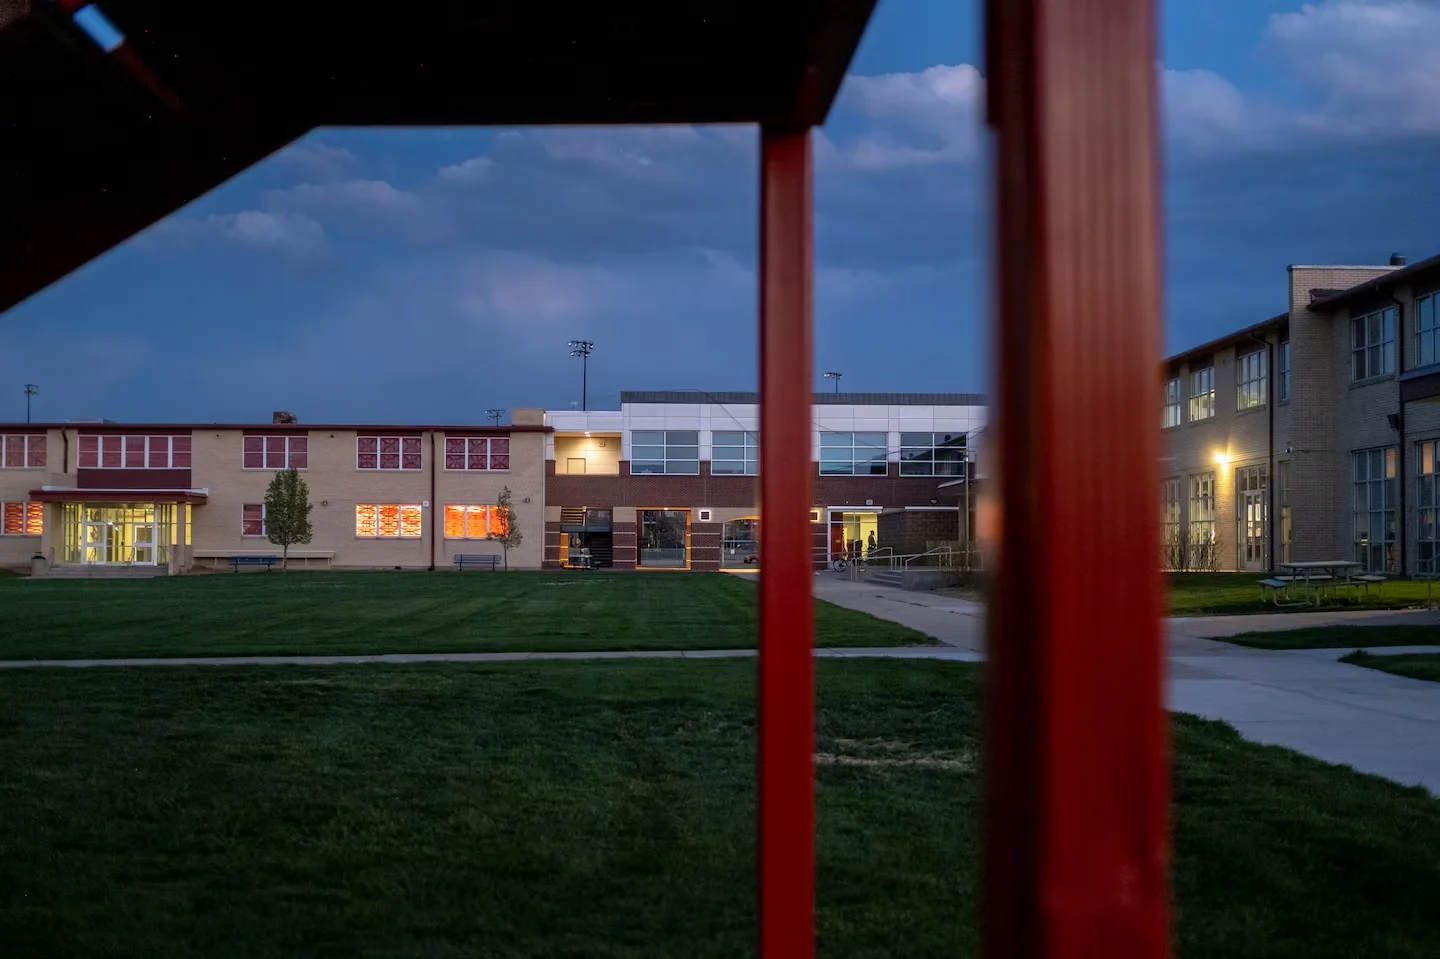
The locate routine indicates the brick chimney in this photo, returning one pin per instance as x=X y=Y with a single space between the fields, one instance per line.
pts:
x=283 y=417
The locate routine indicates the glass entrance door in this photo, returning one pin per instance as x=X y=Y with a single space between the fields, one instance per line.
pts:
x=96 y=543
x=1252 y=515
x=142 y=544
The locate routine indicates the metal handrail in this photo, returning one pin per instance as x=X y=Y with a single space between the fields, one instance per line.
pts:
x=947 y=551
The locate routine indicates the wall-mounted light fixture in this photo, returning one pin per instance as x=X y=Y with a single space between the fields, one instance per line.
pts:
x=1222 y=457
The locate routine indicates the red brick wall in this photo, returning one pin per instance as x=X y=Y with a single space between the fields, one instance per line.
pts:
x=910 y=531
x=132 y=479
x=623 y=545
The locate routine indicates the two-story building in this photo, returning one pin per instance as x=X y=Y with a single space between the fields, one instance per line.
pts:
x=668 y=481
x=1310 y=435
x=175 y=496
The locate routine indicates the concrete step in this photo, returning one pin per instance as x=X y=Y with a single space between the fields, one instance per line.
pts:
x=79 y=571
x=884 y=577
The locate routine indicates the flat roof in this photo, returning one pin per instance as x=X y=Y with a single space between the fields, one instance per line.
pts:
x=702 y=397
x=109 y=426
x=197 y=92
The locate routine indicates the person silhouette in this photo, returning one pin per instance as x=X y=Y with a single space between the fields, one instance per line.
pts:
x=870 y=544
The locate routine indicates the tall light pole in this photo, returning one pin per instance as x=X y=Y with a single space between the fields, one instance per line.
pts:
x=832 y=375
x=31 y=389
x=494 y=414
x=582 y=349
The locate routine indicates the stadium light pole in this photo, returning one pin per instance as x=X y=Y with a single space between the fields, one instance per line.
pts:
x=495 y=414
x=583 y=349
x=833 y=375
x=31 y=389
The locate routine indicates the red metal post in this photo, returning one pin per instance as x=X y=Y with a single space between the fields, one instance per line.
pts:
x=1077 y=800
x=786 y=700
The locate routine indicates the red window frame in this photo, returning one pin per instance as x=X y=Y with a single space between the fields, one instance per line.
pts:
x=252 y=519
x=487 y=453
x=134 y=451
x=269 y=451
x=23 y=451
x=378 y=451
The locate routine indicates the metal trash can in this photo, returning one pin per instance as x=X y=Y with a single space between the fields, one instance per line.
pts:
x=39 y=566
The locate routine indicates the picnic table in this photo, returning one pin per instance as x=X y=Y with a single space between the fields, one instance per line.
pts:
x=1314 y=576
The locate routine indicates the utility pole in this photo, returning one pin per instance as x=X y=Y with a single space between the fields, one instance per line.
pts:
x=31 y=389
x=494 y=414
x=583 y=349
x=832 y=375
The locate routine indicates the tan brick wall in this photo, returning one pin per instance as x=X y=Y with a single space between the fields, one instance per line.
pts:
x=15 y=487
x=337 y=487
x=1324 y=419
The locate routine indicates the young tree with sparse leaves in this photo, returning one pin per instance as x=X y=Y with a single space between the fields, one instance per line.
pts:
x=287 y=513
x=509 y=537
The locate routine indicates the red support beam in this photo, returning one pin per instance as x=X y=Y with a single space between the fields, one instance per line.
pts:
x=786 y=701
x=1077 y=803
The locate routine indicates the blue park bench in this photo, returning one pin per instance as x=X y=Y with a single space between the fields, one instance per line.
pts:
x=478 y=560
x=267 y=561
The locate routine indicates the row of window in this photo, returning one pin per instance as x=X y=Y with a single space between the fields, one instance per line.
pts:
x=22 y=451
x=1374 y=336
x=27 y=451
x=399 y=521
x=1375 y=498
x=22 y=519
x=1251 y=384
x=737 y=453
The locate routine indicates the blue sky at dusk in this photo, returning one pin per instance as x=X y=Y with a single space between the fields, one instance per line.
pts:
x=425 y=275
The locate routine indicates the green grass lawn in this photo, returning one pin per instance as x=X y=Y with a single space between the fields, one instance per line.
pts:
x=354 y=612
x=1339 y=637
x=607 y=810
x=1414 y=665
x=1221 y=594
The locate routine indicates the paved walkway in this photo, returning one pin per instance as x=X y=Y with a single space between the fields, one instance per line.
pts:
x=1303 y=699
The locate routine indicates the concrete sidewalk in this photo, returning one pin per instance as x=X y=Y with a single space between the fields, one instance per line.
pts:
x=1305 y=700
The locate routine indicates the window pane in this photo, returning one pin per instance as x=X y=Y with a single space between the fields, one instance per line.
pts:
x=647 y=466
x=410 y=521
x=454 y=522
x=1427 y=457
x=835 y=468
x=830 y=440
x=365 y=519
x=870 y=439
x=682 y=438
x=727 y=438
x=917 y=469
x=388 y=522
x=647 y=438
x=917 y=439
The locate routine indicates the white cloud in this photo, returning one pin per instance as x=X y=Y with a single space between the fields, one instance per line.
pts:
x=292 y=235
x=1373 y=63
x=934 y=115
x=317 y=160
x=371 y=203
x=473 y=170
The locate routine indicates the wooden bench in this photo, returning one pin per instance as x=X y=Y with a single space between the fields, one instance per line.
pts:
x=478 y=560
x=267 y=561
